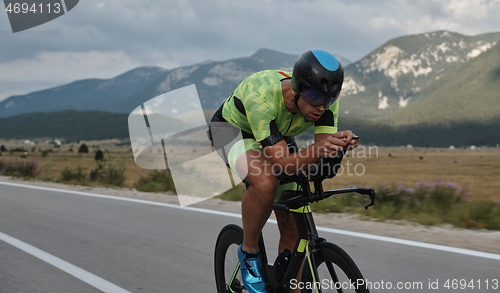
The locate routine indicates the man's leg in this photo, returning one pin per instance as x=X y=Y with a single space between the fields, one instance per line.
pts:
x=262 y=185
x=258 y=198
x=288 y=231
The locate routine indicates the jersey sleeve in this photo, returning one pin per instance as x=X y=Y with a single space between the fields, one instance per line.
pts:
x=328 y=122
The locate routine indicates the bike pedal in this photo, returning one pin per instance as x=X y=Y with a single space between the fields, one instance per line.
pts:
x=236 y=287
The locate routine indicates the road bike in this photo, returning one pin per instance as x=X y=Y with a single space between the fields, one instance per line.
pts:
x=325 y=266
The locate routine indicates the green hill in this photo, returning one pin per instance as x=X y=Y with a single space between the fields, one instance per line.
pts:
x=400 y=72
x=470 y=93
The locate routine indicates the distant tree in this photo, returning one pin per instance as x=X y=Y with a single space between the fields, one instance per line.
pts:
x=17 y=150
x=83 y=149
x=99 y=155
x=3 y=149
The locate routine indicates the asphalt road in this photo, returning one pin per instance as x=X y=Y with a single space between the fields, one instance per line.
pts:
x=77 y=243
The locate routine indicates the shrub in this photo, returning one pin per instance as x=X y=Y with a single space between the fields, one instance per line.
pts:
x=150 y=186
x=155 y=181
x=20 y=168
x=77 y=175
x=97 y=174
x=114 y=175
x=478 y=215
x=428 y=204
x=108 y=174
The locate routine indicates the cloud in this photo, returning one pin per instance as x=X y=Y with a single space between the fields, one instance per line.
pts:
x=182 y=32
x=471 y=9
x=382 y=23
x=468 y=17
x=67 y=66
x=104 y=38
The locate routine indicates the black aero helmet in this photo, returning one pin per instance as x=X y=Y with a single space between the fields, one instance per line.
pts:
x=320 y=70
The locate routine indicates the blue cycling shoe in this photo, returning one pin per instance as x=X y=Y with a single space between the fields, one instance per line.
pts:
x=251 y=272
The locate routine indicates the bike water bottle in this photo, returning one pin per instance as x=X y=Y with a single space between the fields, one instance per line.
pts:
x=281 y=263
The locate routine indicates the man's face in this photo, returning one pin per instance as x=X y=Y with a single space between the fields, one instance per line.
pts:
x=310 y=112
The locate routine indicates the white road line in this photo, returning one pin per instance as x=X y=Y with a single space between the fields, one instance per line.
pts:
x=65 y=266
x=413 y=243
x=324 y=229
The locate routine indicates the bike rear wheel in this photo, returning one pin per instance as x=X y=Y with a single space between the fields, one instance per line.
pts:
x=336 y=272
x=227 y=272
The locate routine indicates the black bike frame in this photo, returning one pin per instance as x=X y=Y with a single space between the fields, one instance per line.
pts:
x=297 y=203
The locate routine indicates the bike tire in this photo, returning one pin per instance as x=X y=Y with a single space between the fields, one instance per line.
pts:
x=226 y=259
x=328 y=256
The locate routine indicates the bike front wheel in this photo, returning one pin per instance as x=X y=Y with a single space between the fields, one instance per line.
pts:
x=227 y=272
x=336 y=272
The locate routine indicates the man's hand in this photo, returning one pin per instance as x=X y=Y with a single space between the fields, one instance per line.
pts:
x=328 y=147
x=351 y=140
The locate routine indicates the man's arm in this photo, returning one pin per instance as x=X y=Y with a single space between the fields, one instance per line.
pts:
x=282 y=160
x=326 y=146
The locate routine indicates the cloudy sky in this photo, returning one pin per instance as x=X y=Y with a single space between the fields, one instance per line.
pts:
x=101 y=39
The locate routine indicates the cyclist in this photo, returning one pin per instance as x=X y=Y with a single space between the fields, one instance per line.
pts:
x=271 y=107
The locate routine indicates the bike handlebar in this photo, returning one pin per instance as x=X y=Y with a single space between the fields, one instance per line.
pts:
x=324 y=169
x=299 y=199
x=366 y=191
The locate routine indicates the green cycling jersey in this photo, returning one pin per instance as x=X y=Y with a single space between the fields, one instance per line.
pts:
x=257 y=107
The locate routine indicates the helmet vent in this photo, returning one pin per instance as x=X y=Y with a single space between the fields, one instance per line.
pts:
x=324 y=85
x=334 y=88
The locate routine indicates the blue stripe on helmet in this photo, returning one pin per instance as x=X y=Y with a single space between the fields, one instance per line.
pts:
x=326 y=59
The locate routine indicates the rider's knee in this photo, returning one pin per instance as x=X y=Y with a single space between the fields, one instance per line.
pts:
x=263 y=185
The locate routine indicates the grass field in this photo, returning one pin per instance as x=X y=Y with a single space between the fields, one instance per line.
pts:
x=477 y=170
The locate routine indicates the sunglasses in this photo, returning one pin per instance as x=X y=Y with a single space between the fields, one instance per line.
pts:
x=316 y=98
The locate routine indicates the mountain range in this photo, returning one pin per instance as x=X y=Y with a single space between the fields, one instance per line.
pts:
x=439 y=80
x=214 y=81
